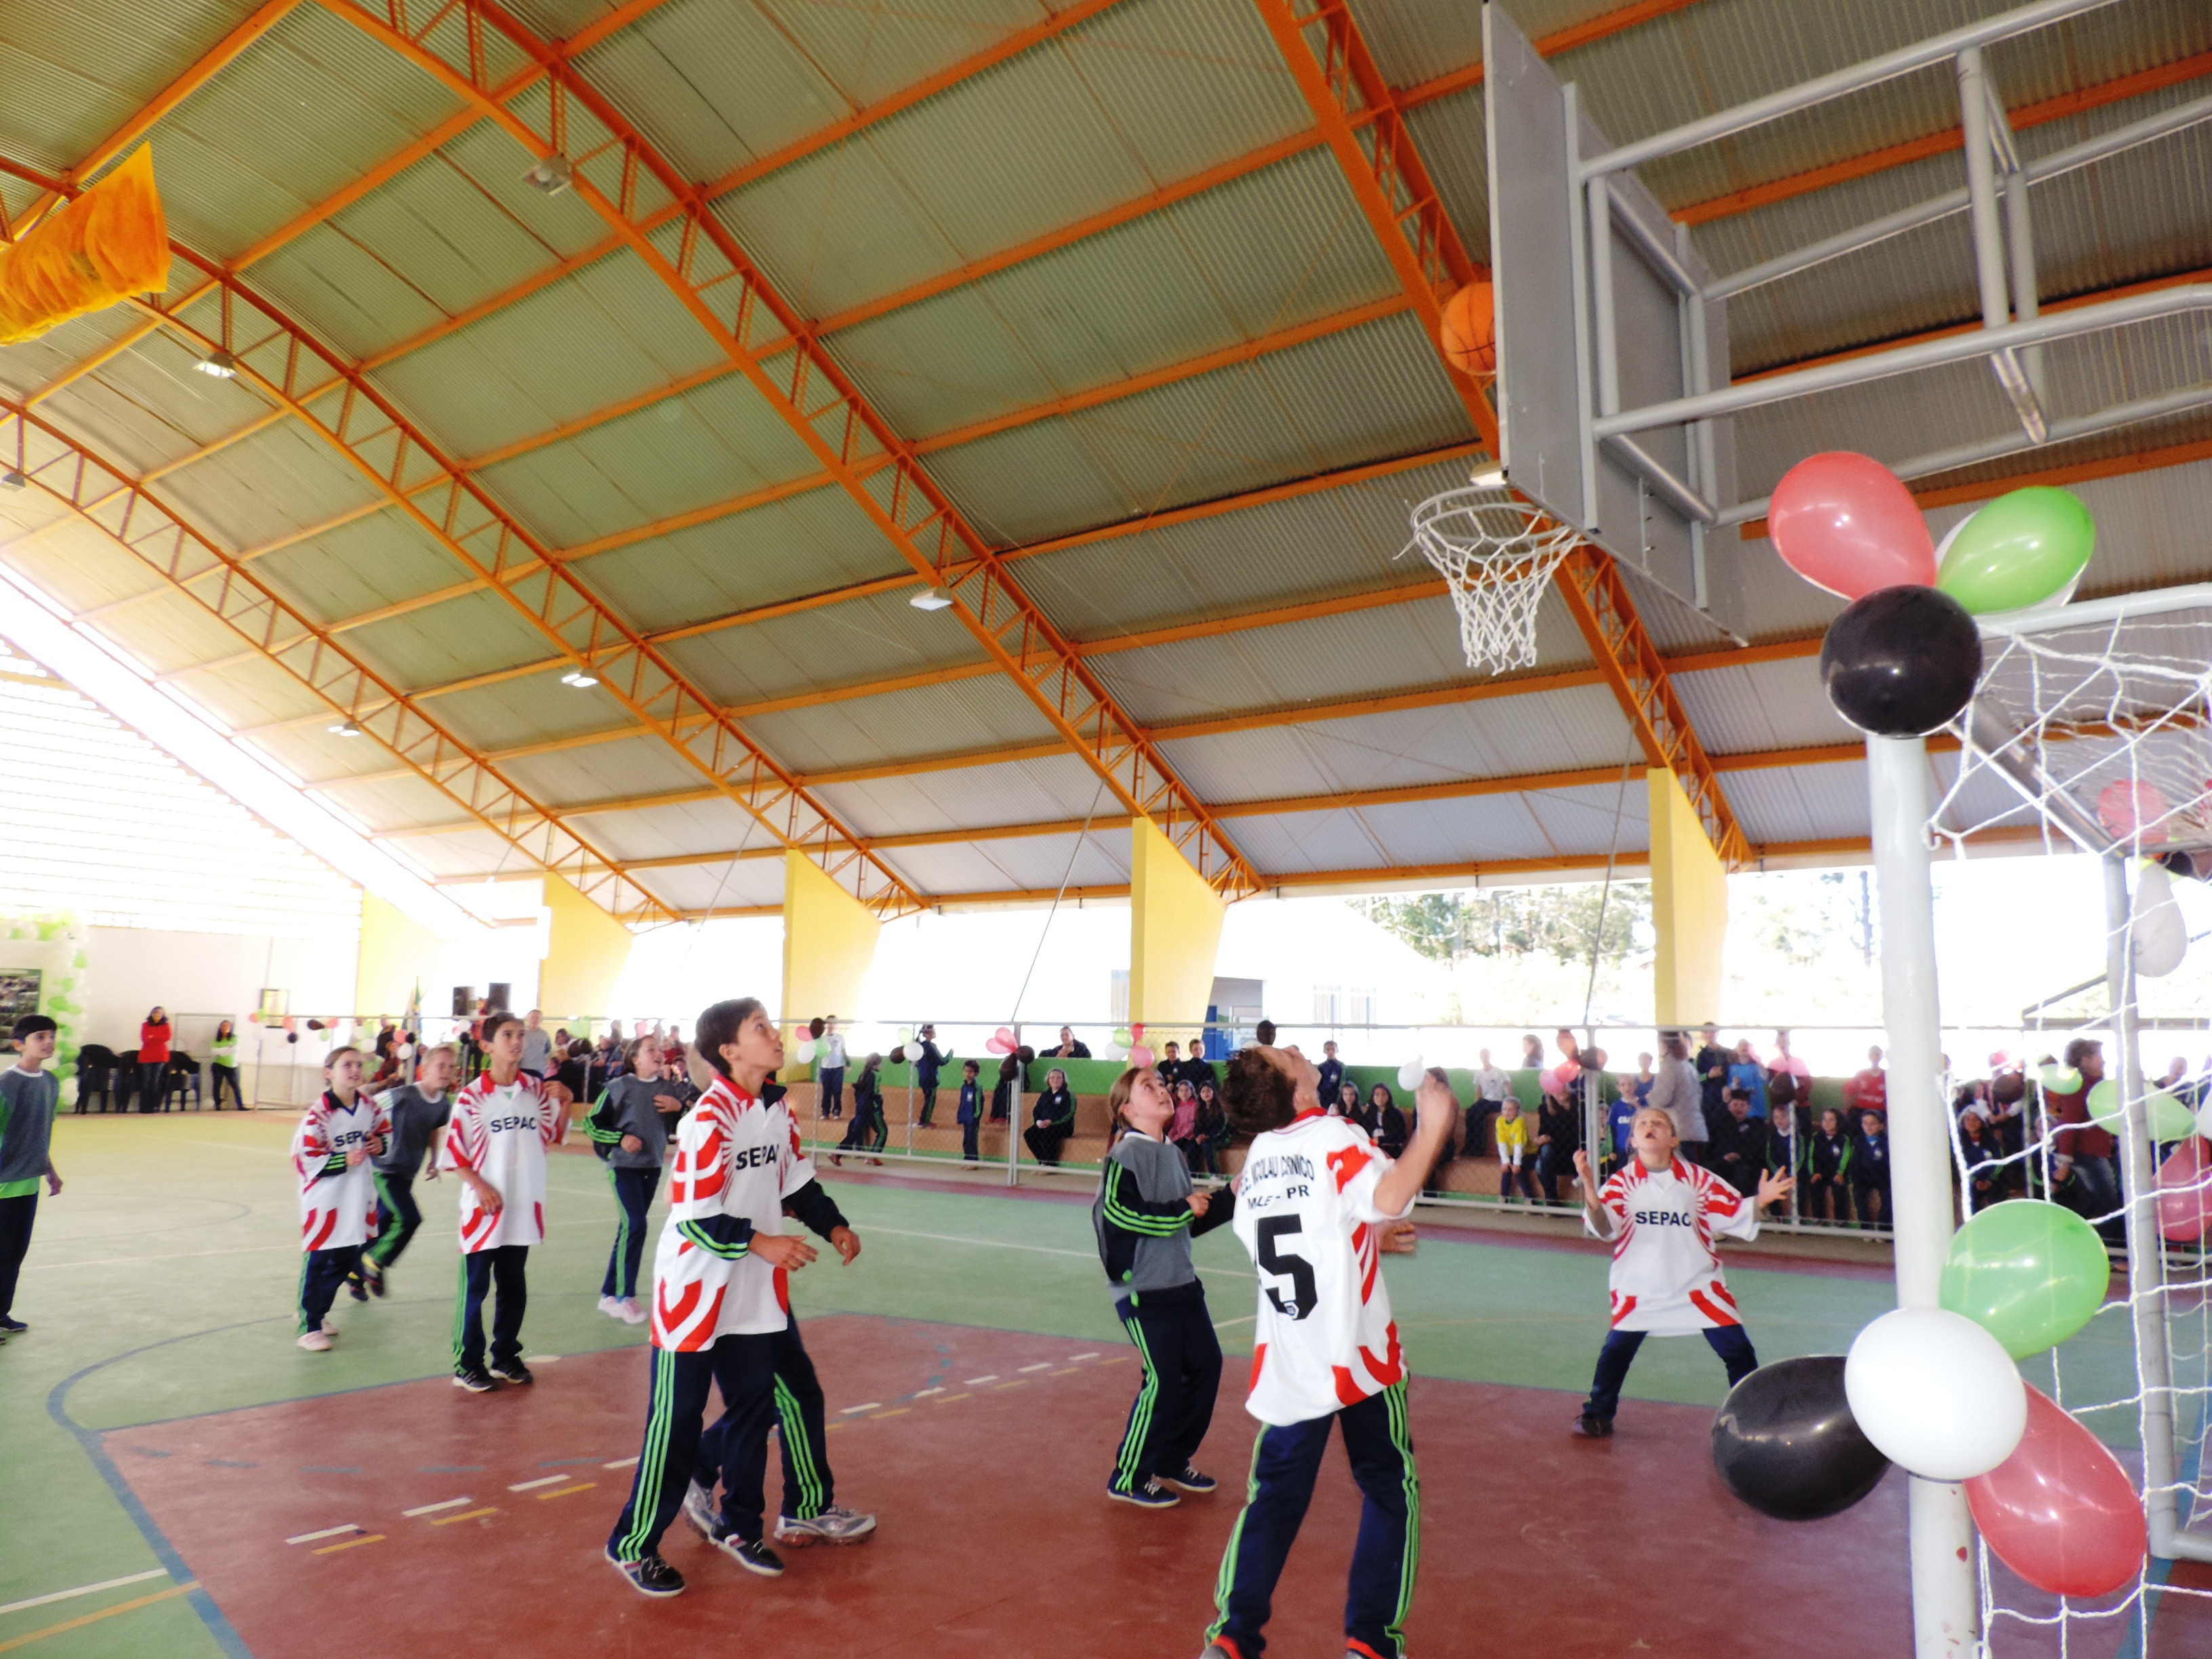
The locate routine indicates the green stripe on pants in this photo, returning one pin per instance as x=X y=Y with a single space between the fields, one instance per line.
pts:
x=1140 y=1414
x=791 y=1422
x=1401 y=1436
x=652 y=1461
x=1226 y=1580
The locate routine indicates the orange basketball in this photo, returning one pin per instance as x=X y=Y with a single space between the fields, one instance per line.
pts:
x=1469 y=334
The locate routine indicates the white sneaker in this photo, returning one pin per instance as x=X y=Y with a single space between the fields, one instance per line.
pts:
x=330 y=1327
x=699 y=1509
x=629 y=1312
x=835 y=1525
x=610 y=1306
x=316 y=1341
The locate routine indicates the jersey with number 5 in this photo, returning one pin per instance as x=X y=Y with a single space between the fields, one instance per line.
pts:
x=1306 y=1211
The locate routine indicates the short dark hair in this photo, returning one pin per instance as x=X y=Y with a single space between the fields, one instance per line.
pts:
x=970 y=1065
x=1256 y=1094
x=30 y=1024
x=2080 y=1049
x=1265 y=1031
x=719 y=1023
x=493 y=1026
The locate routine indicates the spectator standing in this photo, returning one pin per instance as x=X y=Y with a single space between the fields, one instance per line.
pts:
x=222 y=1064
x=830 y=1069
x=1492 y=1088
x=1739 y=1144
x=927 y=1065
x=1054 y=1120
x=1532 y=1053
x=1069 y=1049
x=1868 y=1090
x=1678 y=1091
x=1332 y=1072
x=869 y=1129
x=2082 y=1174
x=1828 y=1171
x=970 y=1112
x=1746 y=1074
x=537 y=1046
x=1197 y=1070
x=1869 y=1170
x=154 y=1038
x=1713 y=1063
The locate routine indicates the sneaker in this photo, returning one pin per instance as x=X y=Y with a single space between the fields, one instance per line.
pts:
x=610 y=1306
x=753 y=1554
x=1591 y=1426
x=373 y=1276
x=629 y=1312
x=329 y=1326
x=356 y=1290
x=475 y=1378
x=699 y=1511
x=835 y=1525
x=1191 y=1480
x=316 y=1341
x=1147 y=1495
x=650 y=1577
x=10 y=1326
x=1221 y=1648
x=511 y=1370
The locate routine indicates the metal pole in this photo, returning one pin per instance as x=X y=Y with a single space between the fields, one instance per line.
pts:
x=1014 y=1115
x=2019 y=248
x=1982 y=188
x=1946 y=1606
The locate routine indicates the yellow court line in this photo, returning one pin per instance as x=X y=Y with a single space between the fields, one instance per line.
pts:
x=567 y=1491
x=84 y=1619
x=897 y=1411
x=950 y=1398
x=448 y=1520
x=1070 y=1372
x=349 y=1543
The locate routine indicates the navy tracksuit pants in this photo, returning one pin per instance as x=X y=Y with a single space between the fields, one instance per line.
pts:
x=634 y=1191
x=320 y=1275
x=801 y=1432
x=1730 y=1342
x=743 y=1368
x=395 y=1203
x=1285 y=1462
x=1174 y=1407
x=503 y=1266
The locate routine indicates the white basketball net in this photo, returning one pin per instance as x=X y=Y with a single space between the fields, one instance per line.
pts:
x=1497 y=555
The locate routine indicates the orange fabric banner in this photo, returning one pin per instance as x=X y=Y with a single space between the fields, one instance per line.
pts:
x=110 y=243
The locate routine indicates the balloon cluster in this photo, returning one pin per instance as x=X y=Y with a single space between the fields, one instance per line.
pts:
x=1904 y=660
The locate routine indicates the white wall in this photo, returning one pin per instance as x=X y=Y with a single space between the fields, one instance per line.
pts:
x=202 y=977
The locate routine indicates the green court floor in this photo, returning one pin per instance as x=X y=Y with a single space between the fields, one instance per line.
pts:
x=159 y=1286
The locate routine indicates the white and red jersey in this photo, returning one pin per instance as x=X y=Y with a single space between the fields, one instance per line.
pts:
x=1666 y=1274
x=1306 y=1211
x=738 y=1156
x=502 y=1131
x=338 y=1204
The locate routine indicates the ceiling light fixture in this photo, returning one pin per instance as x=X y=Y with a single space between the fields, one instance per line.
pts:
x=935 y=598
x=1489 y=478
x=12 y=479
x=552 y=174
x=219 y=363
x=579 y=678
x=346 y=729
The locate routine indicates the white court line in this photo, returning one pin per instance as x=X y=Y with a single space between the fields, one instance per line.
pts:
x=1042 y=1365
x=82 y=1590
x=849 y=1411
x=926 y=1392
x=1072 y=1358
x=528 y=1485
x=973 y=1381
x=327 y=1532
x=432 y=1508
x=620 y=1463
x=1224 y=1324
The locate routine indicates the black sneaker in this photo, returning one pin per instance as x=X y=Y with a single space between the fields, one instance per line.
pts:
x=475 y=1378
x=753 y=1554
x=650 y=1577
x=1191 y=1480
x=373 y=1276
x=10 y=1326
x=1591 y=1426
x=1146 y=1494
x=511 y=1370
x=356 y=1290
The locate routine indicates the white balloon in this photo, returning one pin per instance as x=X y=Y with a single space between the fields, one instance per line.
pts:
x=1936 y=1393
x=1411 y=1074
x=2159 y=938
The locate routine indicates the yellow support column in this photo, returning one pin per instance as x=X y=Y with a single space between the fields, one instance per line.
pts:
x=1175 y=934
x=397 y=954
x=585 y=955
x=829 y=941
x=1689 y=908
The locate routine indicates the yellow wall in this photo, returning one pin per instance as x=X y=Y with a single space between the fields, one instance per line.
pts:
x=1175 y=931
x=1689 y=908
x=828 y=940
x=586 y=952
x=396 y=955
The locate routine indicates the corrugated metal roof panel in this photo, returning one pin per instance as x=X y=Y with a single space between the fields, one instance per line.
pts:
x=471 y=635
x=359 y=567
x=1771 y=705
x=869 y=52
x=1030 y=864
x=701 y=826
x=639 y=766
x=140 y=408
x=1024 y=792
x=1452 y=140
x=389 y=804
x=691 y=887
x=936 y=720
x=1801 y=803
x=847 y=644
x=529 y=708
x=1416 y=40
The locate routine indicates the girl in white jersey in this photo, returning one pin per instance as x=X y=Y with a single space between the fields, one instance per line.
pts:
x=501 y=1125
x=1662 y=1215
x=330 y=1153
x=1314 y=1194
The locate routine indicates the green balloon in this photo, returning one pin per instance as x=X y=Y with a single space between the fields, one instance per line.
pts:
x=2018 y=550
x=2103 y=1104
x=2168 y=1118
x=2059 y=1080
x=2028 y=1272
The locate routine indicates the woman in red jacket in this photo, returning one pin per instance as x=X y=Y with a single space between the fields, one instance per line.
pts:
x=154 y=1062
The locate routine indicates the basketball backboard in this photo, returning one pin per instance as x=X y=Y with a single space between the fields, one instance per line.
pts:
x=1601 y=303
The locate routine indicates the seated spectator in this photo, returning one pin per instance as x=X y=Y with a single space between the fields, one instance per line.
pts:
x=1785 y=1147
x=1332 y=1072
x=1977 y=1152
x=1264 y=1034
x=574 y=1071
x=1386 y=1122
x=1532 y=1053
x=1739 y=1144
x=1869 y=1170
x=1213 y=1131
x=1513 y=1152
x=1182 y=1127
x=1053 y=1119
x=1069 y=1049
x=1824 y=1194
x=1558 y=1137
x=1492 y=1089
x=1346 y=1103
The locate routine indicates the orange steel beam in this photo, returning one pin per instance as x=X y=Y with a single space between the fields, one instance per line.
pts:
x=100 y=494
x=275 y=358
x=210 y=65
x=624 y=180
x=2037 y=114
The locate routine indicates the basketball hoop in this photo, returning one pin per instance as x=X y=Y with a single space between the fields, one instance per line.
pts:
x=1497 y=555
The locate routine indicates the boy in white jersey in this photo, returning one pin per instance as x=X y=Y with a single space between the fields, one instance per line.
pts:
x=1313 y=1196
x=720 y=1297
x=330 y=1153
x=1663 y=1214
x=501 y=1125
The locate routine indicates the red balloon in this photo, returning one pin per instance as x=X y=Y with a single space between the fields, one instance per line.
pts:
x=1844 y=522
x=2184 y=1191
x=2061 y=1511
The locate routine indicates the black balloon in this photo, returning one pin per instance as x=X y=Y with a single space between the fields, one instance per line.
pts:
x=1786 y=1444
x=1901 y=662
